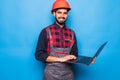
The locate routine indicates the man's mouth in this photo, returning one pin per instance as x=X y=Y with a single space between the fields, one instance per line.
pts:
x=61 y=18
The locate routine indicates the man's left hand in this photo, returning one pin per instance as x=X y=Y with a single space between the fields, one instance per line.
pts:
x=94 y=59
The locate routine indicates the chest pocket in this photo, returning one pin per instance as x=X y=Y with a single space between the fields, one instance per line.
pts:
x=67 y=42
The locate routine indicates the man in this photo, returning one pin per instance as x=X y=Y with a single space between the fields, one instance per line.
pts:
x=57 y=44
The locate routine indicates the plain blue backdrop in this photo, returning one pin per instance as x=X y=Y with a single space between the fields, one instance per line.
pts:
x=94 y=22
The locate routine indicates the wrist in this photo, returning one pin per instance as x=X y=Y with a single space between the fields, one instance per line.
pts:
x=59 y=59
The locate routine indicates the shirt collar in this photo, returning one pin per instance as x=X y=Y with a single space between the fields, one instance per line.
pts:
x=57 y=26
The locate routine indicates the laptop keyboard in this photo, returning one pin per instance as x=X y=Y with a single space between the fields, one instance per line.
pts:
x=84 y=59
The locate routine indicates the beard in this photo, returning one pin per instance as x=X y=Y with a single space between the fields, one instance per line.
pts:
x=61 y=22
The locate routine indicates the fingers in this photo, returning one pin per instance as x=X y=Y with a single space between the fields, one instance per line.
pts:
x=68 y=57
x=71 y=57
x=93 y=61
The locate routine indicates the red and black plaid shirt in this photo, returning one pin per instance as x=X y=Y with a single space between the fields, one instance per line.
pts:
x=61 y=39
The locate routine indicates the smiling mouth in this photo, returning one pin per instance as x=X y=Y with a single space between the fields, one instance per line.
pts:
x=61 y=19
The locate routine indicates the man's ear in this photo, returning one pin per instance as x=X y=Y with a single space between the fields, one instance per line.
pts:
x=54 y=13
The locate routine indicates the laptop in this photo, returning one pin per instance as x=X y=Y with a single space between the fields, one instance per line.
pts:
x=85 y=59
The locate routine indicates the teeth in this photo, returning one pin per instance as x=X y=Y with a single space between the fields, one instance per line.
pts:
x=61 y=19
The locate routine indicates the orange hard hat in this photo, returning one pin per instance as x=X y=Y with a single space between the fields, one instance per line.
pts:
x=60 y=4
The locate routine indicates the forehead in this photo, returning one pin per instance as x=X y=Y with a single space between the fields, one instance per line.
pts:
x=61 y=10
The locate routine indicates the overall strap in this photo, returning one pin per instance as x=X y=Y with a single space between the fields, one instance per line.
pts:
x=72 y=41
x=50 y=35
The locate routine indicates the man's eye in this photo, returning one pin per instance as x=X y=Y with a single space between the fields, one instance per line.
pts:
x=59 y=12
x=65 y=13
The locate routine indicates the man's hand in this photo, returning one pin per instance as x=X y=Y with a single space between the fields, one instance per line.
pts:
x=66 y=58
x=94 y=59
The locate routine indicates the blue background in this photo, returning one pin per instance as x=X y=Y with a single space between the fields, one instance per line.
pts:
x=94 y=22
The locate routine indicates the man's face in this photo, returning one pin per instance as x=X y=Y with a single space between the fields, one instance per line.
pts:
x=61 y=15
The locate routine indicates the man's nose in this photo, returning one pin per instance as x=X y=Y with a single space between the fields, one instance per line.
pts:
x=63 y=14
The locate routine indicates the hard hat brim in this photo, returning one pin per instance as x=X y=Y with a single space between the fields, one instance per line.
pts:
x=68 y=9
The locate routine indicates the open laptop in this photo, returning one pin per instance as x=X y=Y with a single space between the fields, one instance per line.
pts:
x=85 y=59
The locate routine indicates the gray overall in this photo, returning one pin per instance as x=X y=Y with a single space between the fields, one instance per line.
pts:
x=57 y=70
